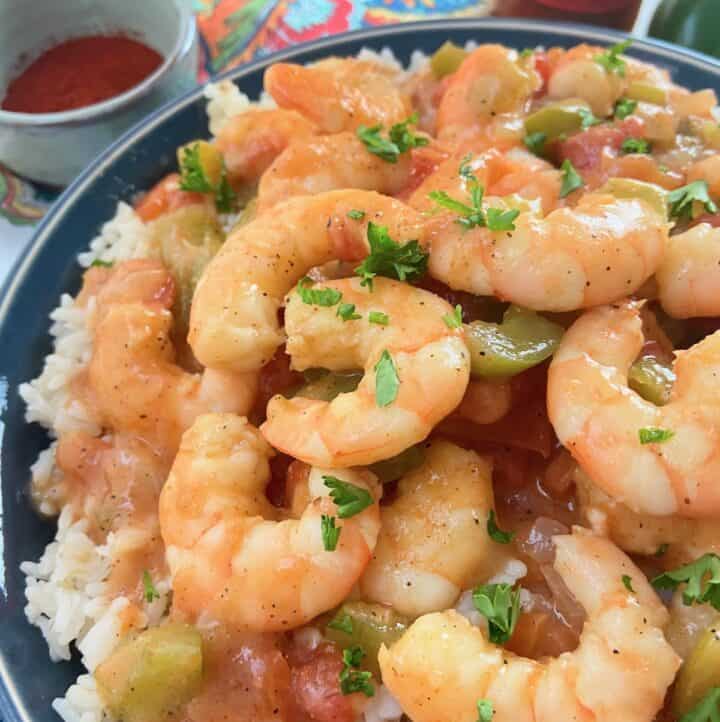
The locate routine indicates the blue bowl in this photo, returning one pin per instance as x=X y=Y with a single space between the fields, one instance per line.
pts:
x=29 y=681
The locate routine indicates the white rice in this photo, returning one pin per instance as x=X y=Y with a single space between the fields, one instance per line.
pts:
x=66 y=588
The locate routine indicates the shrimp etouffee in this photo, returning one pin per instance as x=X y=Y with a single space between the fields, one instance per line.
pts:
x=408 y=405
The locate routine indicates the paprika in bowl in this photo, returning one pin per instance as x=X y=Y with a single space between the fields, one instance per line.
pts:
x=75 y=75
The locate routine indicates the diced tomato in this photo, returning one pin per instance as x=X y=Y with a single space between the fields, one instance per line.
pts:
x=542 y=67
x=167 y=196
x=276 y=376
x=425 y=161
x=585 y=149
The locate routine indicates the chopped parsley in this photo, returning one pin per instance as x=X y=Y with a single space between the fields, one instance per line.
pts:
x=587 y=118
x=571 y=179
x=353 y=679
x=378 y=317
x=662 y=550
x=454 y=319
x=399 y=139
x=702 y=578
x=535 y=142
x=330 y=533
x=149 y=591
x=611 y=60
x=652 y=435
x=349 y=499
x=635 y=145
x=625 y=107
x=485 y=710
x=355 y=214
x=342 y=624
x=317 y=296
x=706 y=710
x=474 y=215
x=495 y=532
x=97 y=263
x=387 y=382
x=681 y=200
x=500 y=605
x=402 y=261
x=526 y=52
x=627 y=582
x=193 y=178
x=346 y=311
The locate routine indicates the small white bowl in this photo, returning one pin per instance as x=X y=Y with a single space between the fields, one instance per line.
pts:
x=54 y=147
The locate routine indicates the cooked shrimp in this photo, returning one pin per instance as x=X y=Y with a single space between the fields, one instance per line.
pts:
x=688 y=278
x=339 y=93
x=600 y=420
x=620 y=670
x=707 y=169
x=233 y=323
x=577 y=75
x=486 y=401
x=515 y=172
x=430 y=360
x=485 y=96
x=231 y=556
x=136 y=383
x=252 y=140
x=680 y=541
x=597 y=252
x=433 y=542
x=328 y=163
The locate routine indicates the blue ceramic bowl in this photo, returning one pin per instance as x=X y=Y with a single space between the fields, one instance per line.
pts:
x=29 y=681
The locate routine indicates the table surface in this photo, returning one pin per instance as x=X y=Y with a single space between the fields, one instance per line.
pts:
x=232 y=32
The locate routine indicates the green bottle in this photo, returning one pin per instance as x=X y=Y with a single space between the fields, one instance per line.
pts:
x=692 y=23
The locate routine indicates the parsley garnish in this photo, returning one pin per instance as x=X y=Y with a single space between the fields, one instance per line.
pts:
x=500 y=605
x=625 y=107
x=387 y=382
x=454 y=319
x=193 y=178
x=474 y=215
x=702 y=578
x=346 y=311
x=402 y=261
x=662 y=550
x=485 y=710
x=571 y=179
x=378 y=317
x=652 y=435
x=611 y=60
x=351 y=678
x=149 y=591
x=317 y=296
x=342 y=624
x=706 y=710
x=627 y=582
x=97 y=263
x=355 y=214
x=535 y=142
x=349 y=499
x=330 y=533
x=526 y=52
x=635 y=145
x=682 y=199
x=495 y=532
x=400 y=139
x=588 y=119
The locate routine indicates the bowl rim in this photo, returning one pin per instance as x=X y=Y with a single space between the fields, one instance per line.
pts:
x=10 y=706
x=89 y=113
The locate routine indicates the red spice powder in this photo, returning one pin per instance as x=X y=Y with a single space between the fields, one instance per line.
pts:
x=80 y=72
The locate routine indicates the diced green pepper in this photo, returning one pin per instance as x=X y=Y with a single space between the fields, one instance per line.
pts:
x=397 y=466
x=557 y=119
x=186 y=239
x=523 y=340
x=652 y=379
x=369 y=626
x=699 y=673
x=148 y=677
x=652 y=194
x=447 y=59
x=646 y=93
x=325 y=385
